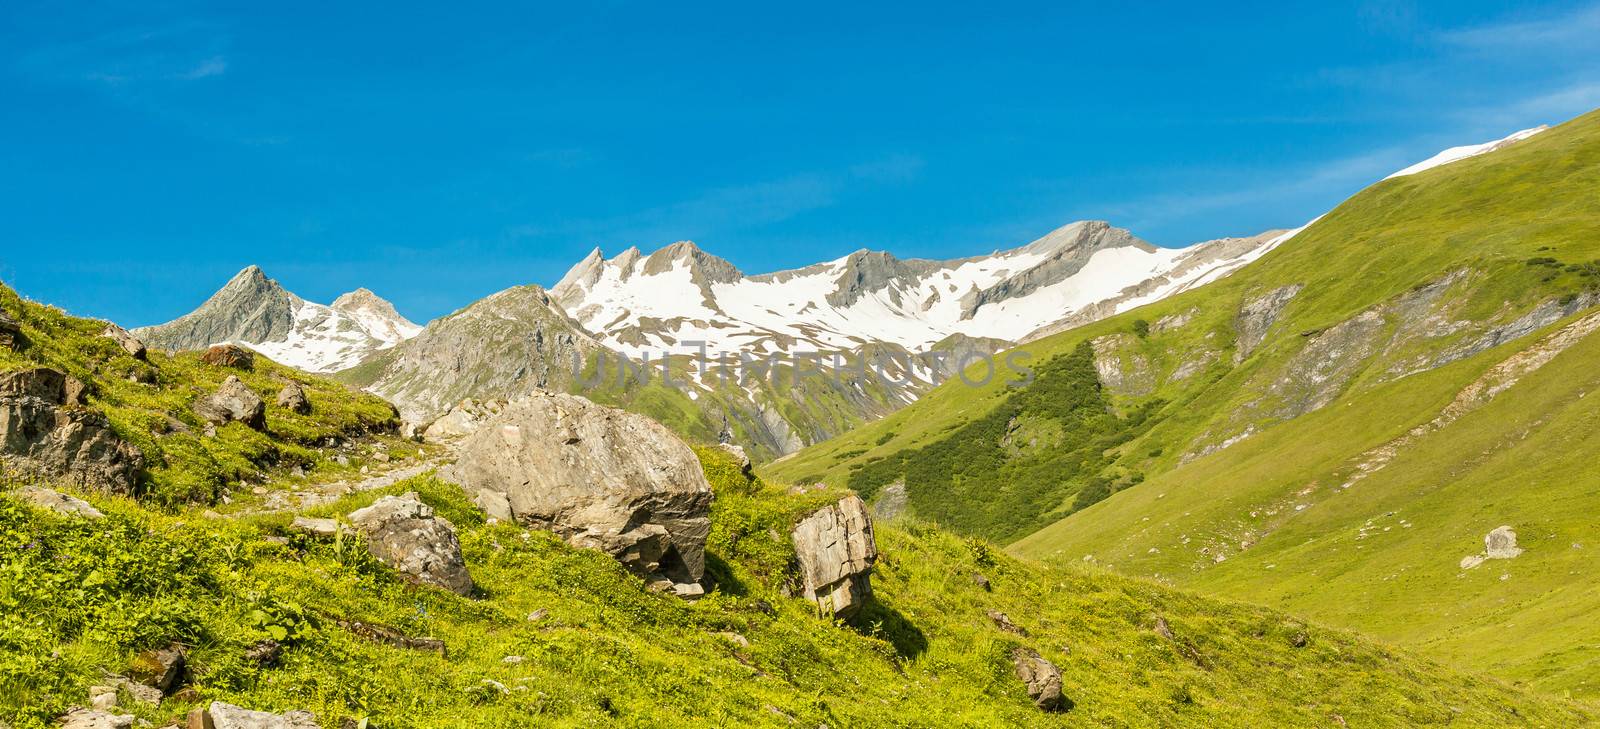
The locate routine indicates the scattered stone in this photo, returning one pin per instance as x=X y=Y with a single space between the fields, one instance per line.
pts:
x=107 y=696
x=405 y=534
x=392 y=636
x=739 y=456
x=1300 y=639
x=982 y=582
x=1003 y=622
x=264 y=653
x=600 y=477
x=163 y=669
x=1162 y=629
x=126 y=341
x=1498 y=544
x=91 y=719
x=229 y=355
x=735 y=638
x=891 y=501
x=58 y=502
x=835 y=549
x=317 y=528
x=233 y=402
x=1041 y=677
x=228 y=716
x=44 y=434
x=495 y=504
x=293 y=398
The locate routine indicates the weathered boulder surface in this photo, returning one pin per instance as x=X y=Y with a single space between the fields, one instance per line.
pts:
x=228 y=716
x=740 y=458
x=163 y=669
x=293 y=398
x=91 y=719
x=405 y=534
x=318 y=528
x=1041 y=677
x=229 y=355
x=836 y=549
x=125 y=340
x=233 y=402
x=58 y=502
x=1501 y=543
x=45 y=433
x=600 y=477
x=462 y=420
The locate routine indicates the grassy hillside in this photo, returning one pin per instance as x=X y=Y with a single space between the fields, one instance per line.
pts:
x=149 y=404
x=596 y=647
x=1402 y=298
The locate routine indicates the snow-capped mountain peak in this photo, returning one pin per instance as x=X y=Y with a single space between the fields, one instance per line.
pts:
x=258 y=312
x=1456 y=154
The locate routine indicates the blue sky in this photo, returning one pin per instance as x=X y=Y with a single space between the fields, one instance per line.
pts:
x=436 y=153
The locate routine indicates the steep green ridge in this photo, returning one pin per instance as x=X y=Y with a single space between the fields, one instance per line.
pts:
x=596 y=648
x=1277 y=384
x=148 y=404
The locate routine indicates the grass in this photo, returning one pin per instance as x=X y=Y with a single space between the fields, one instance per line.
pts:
x=596 y=648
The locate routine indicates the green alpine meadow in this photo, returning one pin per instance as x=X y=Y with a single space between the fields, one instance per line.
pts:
x=377 y=366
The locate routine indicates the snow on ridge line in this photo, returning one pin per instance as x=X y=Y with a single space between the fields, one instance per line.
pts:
x=1456 y=154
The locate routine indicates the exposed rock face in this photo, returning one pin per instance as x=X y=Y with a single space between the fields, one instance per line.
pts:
x=1122 y=367
x=600 y=477
x=43 y=434
x=58 y=502
x=126 y=341
x=10 y=331
x=1067 y=250
x=836 y=549
x=1041 y=677
x=405 y=534
x=233 y=402
x=293 y=398
x=318 y=528
x=228 y=716
x=462 y=420
x=229 y=355
x=1258 y=316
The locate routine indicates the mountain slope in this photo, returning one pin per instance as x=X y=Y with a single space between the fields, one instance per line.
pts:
x=258 y=312
x=1228 y=474
x=566 y=637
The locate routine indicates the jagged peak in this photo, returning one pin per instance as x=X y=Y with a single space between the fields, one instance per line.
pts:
x=1086 y=235
x=702 y=265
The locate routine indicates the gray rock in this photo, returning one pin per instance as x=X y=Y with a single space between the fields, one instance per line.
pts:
x=462 y=420
x=233 y=402
x=10 y=331
x=1041 y=677
x=836 y=550
x=126 y=341
x=1003 y=622
x=44 y=435
x=1501 y=543
x=495 y=504
x=91 y=719
x=318 y=528
x=405 y=534
x=58 y=502
x=293 y=398
x=1258 y=316
x=229 y=355
x=739 y=456
x=163 y=669
x=228 y=716
x=600 y=477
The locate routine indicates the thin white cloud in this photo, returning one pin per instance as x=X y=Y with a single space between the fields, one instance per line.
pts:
x=213 y=66
x=1578 y=28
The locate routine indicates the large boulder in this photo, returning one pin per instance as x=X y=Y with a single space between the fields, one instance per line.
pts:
x=126 y=341
x=835 y=548
x=228 y=716
x=229 y=355
x=1041 y=677
x=58 y=502
x=600 y=477
x=293 y=398
x=462 y=420
x=405 y=534
x=233 y=402
x=45 y=433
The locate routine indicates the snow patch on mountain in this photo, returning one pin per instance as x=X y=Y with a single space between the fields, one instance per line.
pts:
x=1456 y=154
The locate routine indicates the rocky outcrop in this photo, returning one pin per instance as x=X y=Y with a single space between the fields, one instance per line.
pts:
x=227 y=716
x=1257 y=317
x=46 y=433
x=229 y=355
x=835 y=549
x=10 y=331
x=293 y=398
x=462 y=420
x=129 y=343
x=406 y=534
x=1123 y=369
x=601 y=478
x=58 y=502
x=162 y=669
x=1066 y=251
x=233 y=403
x=1041 y=677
